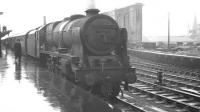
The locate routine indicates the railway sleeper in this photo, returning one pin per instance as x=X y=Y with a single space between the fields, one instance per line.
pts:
x=175 y=83
x=132 y=106
x=179 y=109
x=163 y=99
x=171 y=105
x=189 y=79
x=186 y=74
x=186 y=94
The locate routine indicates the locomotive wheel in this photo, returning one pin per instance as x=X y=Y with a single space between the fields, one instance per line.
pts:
x=69 y=72
x=49 y=66
x=115 y=89
x=110 y=89
x=57 y=70
x=43 y=59
x=95 y=89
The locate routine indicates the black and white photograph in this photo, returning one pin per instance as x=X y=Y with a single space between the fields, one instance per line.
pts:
x=99 y=56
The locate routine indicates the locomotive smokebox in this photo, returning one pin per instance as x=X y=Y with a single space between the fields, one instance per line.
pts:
x=92 y=12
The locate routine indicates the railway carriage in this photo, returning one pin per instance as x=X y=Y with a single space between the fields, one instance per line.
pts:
x=31 y=39
x=12 y=39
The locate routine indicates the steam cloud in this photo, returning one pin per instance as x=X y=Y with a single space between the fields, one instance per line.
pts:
x=91 y=4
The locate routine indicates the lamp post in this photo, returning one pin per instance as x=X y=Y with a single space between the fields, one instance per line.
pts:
x=2 y=34
x=1 y=13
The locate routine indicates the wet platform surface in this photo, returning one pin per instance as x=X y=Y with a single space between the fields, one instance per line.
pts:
x=28 y=87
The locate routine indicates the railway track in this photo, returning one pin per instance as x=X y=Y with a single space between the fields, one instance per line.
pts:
x=170 y=69
x=129 y=103
x=171 y=80
x=166 y=67
x=125 y=104
x=187 y=82
x=181 y=90
x=171 y=98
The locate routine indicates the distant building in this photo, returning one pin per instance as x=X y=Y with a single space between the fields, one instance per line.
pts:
x=194 y=33
x=173 y=39
x=129 y=17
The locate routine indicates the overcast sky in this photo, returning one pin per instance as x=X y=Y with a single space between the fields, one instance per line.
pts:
x=22 y=15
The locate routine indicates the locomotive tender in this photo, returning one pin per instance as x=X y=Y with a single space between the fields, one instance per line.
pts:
x=90 y=50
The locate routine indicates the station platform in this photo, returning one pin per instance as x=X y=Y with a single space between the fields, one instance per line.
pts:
x=167 y=58
x=29 y=87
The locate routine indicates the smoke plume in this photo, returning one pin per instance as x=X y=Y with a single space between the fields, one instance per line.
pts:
x=91 y=4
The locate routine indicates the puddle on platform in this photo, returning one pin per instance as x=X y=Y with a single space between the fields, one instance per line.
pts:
x=27 y=87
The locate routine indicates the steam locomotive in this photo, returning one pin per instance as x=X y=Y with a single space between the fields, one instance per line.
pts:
x=89 y=50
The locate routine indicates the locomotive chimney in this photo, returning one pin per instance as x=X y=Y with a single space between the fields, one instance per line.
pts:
x=91 y=12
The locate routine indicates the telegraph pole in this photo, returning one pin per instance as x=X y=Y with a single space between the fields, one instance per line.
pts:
x=168 y=44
